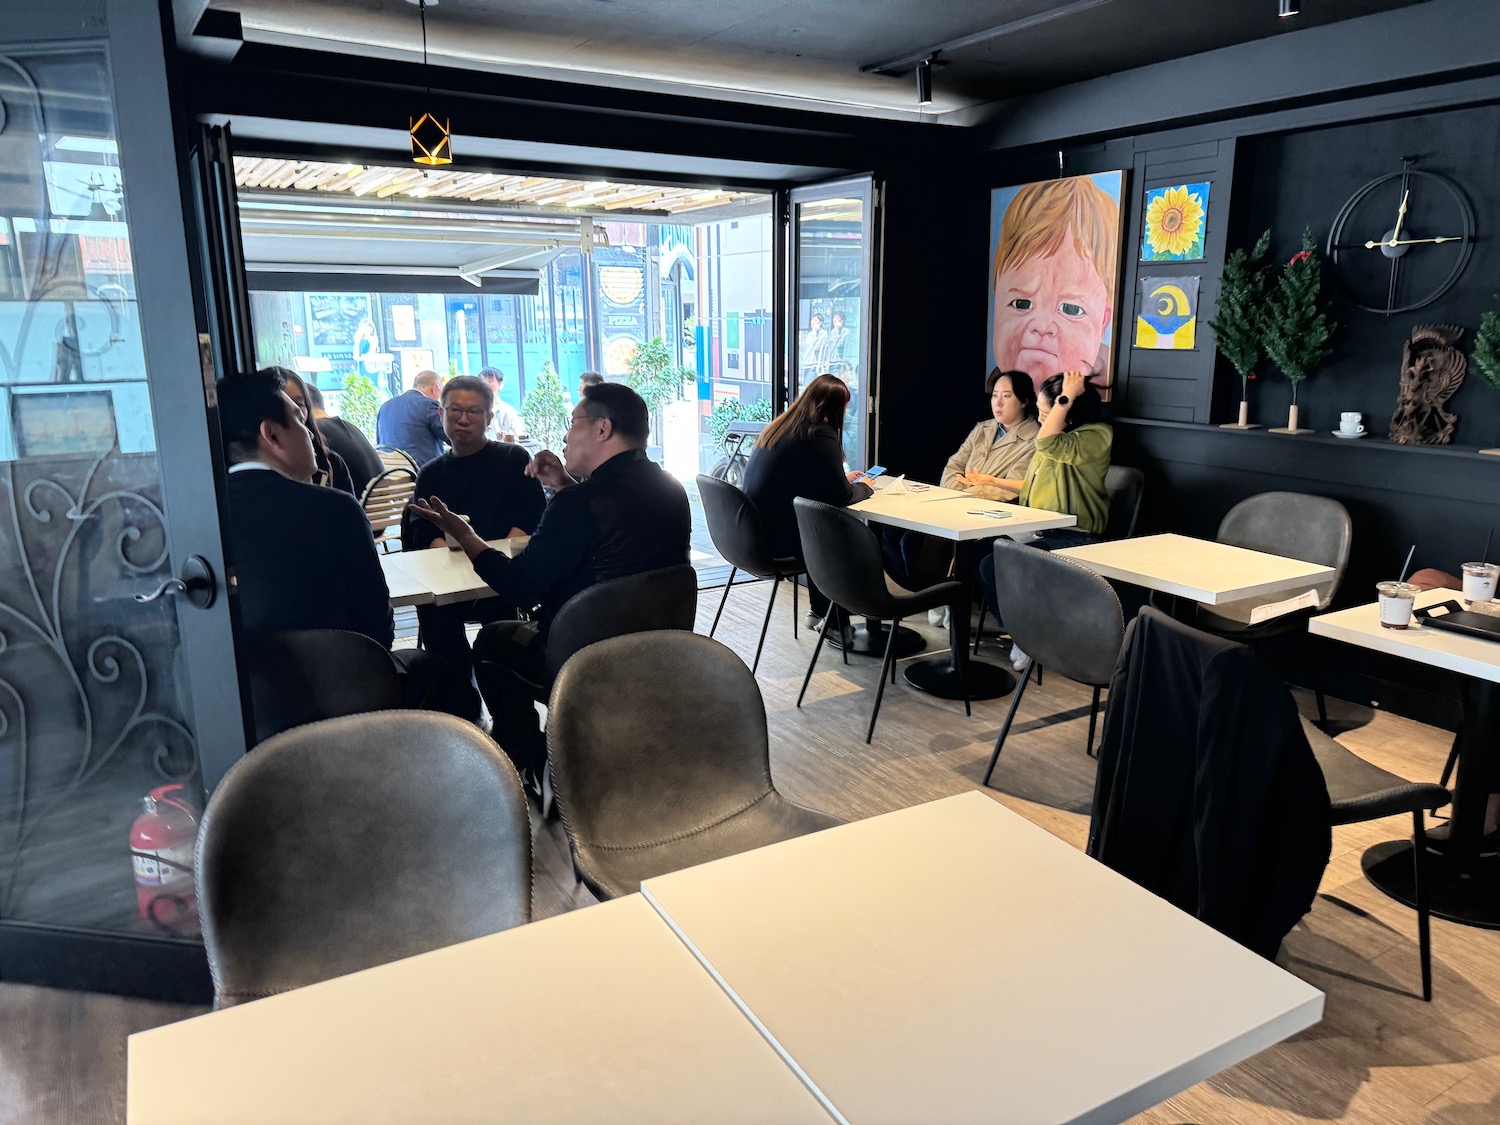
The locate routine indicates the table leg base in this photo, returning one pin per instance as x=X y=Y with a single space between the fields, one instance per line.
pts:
x=1470 y=900
x=866 y=643
x=938 y=677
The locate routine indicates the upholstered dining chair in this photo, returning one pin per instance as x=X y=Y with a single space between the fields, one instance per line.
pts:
x=735 y=527
x=844 y=561
x=660 y=760
x=304 y=675
x=1064 y=616
x=1294 y=525
x=352 y=842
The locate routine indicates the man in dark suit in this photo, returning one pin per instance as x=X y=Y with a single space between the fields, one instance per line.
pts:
x=413 y=421
x=303 y=556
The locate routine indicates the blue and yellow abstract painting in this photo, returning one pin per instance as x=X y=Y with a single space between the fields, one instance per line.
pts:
x=1168 y=317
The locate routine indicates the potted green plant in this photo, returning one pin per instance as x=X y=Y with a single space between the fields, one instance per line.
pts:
x=359 y=404
x=1238 y=331
x=1297 y=330
x=654 y=375
x=545 y=410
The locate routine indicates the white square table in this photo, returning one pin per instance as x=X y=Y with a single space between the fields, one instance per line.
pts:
x=965 y=520
x=446 y=576
x=597 y=1015
x=1462 y=887
x=1207 y=572
x=954 y=962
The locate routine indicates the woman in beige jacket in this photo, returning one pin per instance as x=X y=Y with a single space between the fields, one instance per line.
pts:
x=991 y=463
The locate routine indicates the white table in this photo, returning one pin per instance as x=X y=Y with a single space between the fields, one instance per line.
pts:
x=953 y=962
x=1207 y=572
x=598 y=1015
x=439 y=577
x=949 y=514
x=1463 y=888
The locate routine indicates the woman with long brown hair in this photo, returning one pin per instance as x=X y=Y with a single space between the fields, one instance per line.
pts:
x=801 y=453
x=331 y=469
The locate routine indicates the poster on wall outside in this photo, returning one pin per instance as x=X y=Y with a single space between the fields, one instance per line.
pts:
x=1176 y=219
x=1055 y=249
x=1168 y=320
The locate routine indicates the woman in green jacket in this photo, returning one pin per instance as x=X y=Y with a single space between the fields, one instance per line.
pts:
x=1066 y=473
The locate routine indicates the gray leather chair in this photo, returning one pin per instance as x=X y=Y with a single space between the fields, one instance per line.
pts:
x=354 y=842
x=305 y=675
x=1359 y=791
x=844 y=561
x=660 y=760
x=1294 y=525
x=1064 y=616
x=1124 y=486
x=656 y=599
x=735 y=527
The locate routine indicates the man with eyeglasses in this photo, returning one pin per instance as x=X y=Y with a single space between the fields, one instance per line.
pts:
x=486 y=482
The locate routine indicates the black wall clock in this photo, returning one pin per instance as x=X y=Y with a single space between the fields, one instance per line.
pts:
x=1402 y=240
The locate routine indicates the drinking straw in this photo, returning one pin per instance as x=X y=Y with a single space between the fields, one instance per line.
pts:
x=1407 y=563
x=1484 y=558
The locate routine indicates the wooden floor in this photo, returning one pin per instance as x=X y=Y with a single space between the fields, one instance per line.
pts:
x=1380 y=1055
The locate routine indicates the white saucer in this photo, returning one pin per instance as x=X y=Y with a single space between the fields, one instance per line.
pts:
x=1362 y=433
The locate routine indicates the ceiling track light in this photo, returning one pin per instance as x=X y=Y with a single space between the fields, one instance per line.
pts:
x=431 y=142
x=924 y=81
x=1289 y=8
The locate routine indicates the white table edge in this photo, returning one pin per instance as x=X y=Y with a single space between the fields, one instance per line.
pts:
x=745 y=1009
x=1400 y=642
x=1178 y=589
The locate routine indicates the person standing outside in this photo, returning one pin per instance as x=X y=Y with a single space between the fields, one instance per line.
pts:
x=412 y=422
x=507 y=421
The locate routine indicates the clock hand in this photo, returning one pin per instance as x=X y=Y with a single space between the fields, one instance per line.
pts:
x=1413 y=241
x=1400 y=218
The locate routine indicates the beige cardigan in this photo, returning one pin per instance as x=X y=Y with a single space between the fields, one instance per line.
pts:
x=1006 y=459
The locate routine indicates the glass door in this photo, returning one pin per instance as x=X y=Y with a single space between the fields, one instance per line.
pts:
x=118 y=695
x=831 y=314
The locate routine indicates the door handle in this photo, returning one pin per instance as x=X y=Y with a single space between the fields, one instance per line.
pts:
x=196 y=583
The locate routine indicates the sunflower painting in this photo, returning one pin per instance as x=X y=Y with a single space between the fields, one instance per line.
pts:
x=1175 y=222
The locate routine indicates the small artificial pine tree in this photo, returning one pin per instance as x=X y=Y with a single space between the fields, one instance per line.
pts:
x=1487 y=348
x=545 y=411
x=1238 y=332
x=1297 y=330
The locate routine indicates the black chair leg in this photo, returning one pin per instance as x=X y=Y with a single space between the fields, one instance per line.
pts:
x=725 y=598
x=886 y=668
x=766 y=624
x=896 y=624
x=823 y=632
x=1093 y=723
x=794 y=583
x=963 y=676
x=1450 y=764
x=1038 y=668
x=984 y=610
x=1015 y=703
x=1419 y=884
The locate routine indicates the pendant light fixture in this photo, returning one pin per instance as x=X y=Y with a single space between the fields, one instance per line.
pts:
x=430 y=141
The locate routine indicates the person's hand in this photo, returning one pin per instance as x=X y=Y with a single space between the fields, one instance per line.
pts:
x=971 y=479
x=853 y=475
x=435 y=511
x=1073 y=384
x=547 y=467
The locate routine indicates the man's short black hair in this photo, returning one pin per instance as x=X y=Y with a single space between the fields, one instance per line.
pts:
x=469 y=383
x=314 y=395
x=623 y=407
x=590 y=379
x=245 y=401
x=492 y=373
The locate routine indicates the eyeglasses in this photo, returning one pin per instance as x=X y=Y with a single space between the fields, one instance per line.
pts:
x=465 y=411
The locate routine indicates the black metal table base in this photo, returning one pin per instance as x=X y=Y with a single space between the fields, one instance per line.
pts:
x=938 y=677
x=867 y=643
x=1469 y=896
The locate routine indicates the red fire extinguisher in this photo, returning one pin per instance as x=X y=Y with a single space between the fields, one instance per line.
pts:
x=162 y=841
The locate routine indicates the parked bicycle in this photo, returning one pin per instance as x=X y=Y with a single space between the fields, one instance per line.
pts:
x=737 y=443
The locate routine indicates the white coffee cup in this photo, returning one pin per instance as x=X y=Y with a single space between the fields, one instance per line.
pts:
x=1351 y=422
x=1479 y=581
x=1396 y=603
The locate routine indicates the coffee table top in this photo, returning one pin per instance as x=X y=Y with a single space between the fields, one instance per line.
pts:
x=954 y=962
x=446 y=576
x=1208 y=572
x=949 y=514
x=1360 y=625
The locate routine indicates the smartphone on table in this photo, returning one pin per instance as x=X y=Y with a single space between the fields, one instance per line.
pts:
x=870 y=474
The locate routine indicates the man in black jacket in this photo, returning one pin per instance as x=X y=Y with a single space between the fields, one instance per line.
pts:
x=485 y=481
x=303 y=556
x=614 y=514
x=346 y=440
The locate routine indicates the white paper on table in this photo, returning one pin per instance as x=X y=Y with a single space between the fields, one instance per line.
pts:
x=1308 y=599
